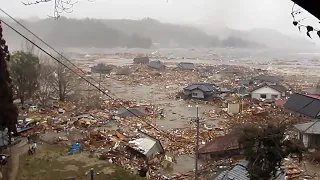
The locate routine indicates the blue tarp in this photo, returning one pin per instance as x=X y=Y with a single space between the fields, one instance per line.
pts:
x=75 y=148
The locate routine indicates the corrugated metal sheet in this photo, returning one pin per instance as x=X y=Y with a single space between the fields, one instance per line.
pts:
x=238 y=172
x=304 y=105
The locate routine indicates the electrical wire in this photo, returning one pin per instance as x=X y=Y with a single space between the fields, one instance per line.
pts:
x=24 y=27
x=84 y=78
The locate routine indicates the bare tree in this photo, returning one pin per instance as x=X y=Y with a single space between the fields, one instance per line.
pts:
x=24 y=72
x=45 y=90
x=59 y=7
x=63 y=81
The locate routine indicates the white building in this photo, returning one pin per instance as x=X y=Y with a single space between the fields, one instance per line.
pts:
x=269 y=92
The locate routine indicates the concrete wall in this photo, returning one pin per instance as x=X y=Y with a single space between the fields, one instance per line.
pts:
x=197 y=94
x=267 y=91
x=305 y=140
x=233 y=108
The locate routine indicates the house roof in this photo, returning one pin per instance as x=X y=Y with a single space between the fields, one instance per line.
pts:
x=205 y=87
x=240 y=172
x=222 y=143
x=312 y=127
x=303 y=104
x=186 y=65
x=145 y=144
x=141 y=60
x=276 y=87
x=156 y=64
x=241 y=90
x=123 y=71
x=266 y=78
x=130 y=112
x=231 y=70
x=312 y=91
x=101 y=68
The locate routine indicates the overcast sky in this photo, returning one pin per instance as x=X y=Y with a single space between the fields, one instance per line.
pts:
x=238 y=14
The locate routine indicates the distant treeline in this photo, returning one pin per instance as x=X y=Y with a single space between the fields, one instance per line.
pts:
x=144 y=33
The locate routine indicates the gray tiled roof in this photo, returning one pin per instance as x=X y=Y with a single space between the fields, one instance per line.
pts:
x=238 y=172
x=205 y=87
x=312 y=127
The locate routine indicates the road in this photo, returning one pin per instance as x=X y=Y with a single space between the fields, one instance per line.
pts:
x=11 y=169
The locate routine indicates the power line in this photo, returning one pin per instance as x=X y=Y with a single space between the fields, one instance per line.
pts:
x=49 y=46
x=83 y=78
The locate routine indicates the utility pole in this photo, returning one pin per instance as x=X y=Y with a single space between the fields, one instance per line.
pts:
x=99 y=80
x=91 y=174
x=197 y=145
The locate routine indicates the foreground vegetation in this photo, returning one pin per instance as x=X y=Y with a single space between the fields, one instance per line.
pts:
x=52 y=162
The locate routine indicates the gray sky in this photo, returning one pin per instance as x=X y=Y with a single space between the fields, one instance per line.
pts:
x=238 y=14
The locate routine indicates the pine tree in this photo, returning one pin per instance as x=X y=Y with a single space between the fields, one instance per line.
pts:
x=8 y=111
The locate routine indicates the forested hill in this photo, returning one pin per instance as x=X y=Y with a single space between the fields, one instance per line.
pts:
x=144 y=33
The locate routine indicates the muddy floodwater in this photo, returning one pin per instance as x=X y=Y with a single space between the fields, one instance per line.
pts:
x=178 y=113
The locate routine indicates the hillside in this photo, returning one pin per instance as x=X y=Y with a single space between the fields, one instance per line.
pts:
x=143 y=33
x=270 y=37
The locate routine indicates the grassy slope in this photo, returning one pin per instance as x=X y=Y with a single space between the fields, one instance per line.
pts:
x=53 y=163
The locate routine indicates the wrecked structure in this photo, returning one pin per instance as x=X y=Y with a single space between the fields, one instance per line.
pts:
x=157 y=65
x=141 y=60
x=205 y=91
x=101 y=69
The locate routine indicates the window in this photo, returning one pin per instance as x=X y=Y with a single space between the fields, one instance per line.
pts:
x=274 y=96
x=194 y=94
x=263 y=96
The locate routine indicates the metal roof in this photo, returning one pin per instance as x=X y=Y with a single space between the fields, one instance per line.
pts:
x=304 y=105
x=239 y=172
x=312 y=127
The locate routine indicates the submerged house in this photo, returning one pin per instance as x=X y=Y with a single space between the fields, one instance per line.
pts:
x=186 y=66
x=267 y=79
x=269 y=92
x=220 y=148
x=201 y=90
x=246 y=82
x=101 y=68
x=230 y=72
x=123 y=71
x=146 y=145
x=131 y=112
x=141 y=60
x=309 y=133
x=158 y=65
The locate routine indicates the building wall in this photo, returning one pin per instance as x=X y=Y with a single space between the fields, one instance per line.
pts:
x=233 y=108
x=197 y=94
x=267 y=91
